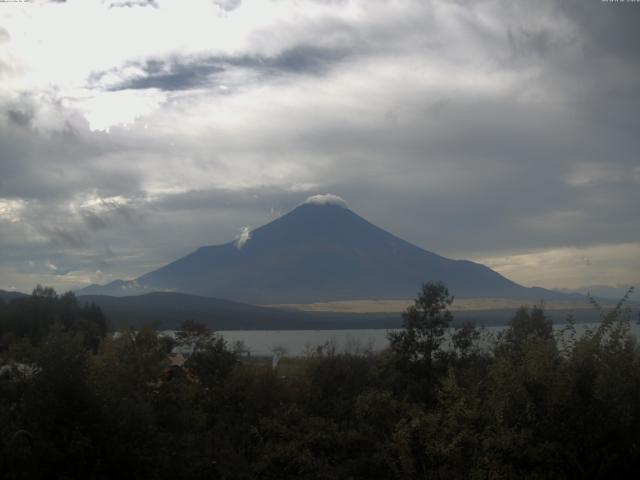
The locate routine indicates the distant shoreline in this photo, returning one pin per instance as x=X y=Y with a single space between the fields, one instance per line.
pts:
x=398 y=306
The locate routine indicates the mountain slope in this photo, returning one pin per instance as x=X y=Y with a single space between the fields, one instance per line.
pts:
x=320 y=252
x=7 y=296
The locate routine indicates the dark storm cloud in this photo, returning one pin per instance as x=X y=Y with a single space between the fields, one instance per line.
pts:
x=172 y=76
x=605 y=75
x=55 y=165
x=186 y=74
x=302 y=59
x=606 y=27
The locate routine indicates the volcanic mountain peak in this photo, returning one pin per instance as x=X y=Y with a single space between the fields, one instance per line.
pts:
x=320 y=251
x=313 y=220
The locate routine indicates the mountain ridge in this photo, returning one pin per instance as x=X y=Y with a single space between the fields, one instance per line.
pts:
x=320 y=251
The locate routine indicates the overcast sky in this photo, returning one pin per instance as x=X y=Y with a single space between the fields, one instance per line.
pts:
x=132 y=132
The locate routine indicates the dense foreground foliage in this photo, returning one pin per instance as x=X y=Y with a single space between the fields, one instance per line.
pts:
x=77 y=403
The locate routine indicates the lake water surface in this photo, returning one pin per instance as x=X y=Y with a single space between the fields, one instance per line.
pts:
x=299 y=342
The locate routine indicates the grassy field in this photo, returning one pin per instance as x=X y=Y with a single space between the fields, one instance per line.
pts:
x=396 y=306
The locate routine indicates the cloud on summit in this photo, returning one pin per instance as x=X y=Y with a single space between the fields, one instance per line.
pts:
x=326 y=199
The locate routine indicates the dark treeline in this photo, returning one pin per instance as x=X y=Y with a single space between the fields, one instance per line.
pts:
x=78 y=403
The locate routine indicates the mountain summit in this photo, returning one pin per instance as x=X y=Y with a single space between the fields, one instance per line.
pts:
x=319 y=251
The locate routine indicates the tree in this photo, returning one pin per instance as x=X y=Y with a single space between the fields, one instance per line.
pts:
x=425 y=323
x=33 y=317
x=193 y=335
x=528 y=324
x=465 y=338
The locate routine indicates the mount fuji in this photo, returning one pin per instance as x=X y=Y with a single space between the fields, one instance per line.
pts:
x=320 y=251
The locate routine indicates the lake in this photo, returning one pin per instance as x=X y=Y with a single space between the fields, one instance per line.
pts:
x=298 y=342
